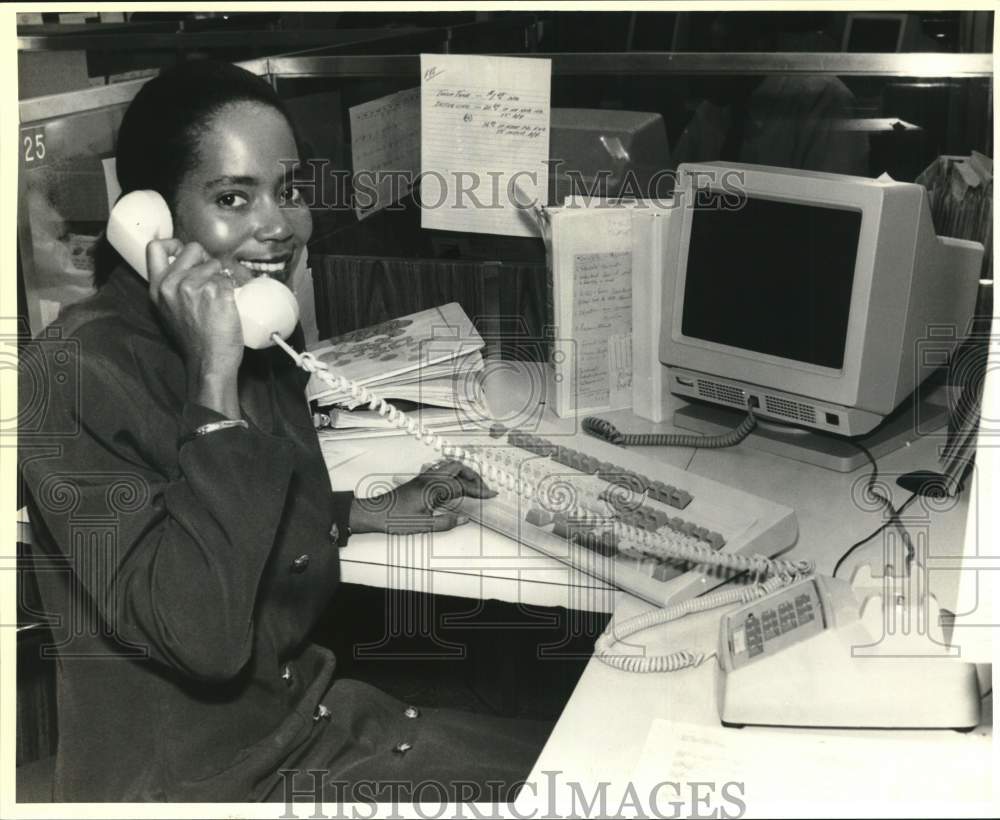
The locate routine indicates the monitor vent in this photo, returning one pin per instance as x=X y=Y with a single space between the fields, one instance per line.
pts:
x=722 y=392
x=790 y=409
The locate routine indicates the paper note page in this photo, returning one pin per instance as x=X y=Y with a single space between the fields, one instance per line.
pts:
x=602 y=315
x=620 y=368
x=591 y=253
x=114 y=190
x=385 y=147
x=335 y=452
x=485 y=129
x=776 y=772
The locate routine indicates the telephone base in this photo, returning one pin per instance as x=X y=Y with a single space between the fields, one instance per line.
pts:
x=813 y=655
x=825 y=683
x=928 y=695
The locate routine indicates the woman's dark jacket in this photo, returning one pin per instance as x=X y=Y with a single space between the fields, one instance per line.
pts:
x=185 y=572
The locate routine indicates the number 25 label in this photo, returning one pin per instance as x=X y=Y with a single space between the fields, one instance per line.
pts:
x=33 y=148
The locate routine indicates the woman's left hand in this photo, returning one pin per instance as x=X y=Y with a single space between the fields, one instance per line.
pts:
x=421 y=504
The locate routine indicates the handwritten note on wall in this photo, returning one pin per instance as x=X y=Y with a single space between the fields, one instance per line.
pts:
x=485 y=130
x=385 y=147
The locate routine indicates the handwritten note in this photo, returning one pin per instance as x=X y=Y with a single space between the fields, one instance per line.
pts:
x=385 y=147
x=620 y=368
x=485 y=130
x=779 y=771
x=602 y=305
x=591 y=257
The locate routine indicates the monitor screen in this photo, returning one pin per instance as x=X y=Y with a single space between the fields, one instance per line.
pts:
x=772 y=277
x=878 y=34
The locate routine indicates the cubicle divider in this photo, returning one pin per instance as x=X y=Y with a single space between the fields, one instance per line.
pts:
x=909 y=107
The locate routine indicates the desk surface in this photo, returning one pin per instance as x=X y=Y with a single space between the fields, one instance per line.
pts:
x=604 y=727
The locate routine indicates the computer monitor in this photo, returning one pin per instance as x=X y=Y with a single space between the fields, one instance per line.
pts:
x=605 y=153
x=816 y=299
x=878 y=32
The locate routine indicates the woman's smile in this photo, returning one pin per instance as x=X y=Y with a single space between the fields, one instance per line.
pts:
x=276 y=267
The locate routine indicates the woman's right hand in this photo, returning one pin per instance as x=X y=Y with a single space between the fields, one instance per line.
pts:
x=198 y=304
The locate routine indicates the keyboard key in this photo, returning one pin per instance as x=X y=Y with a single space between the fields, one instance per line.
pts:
x=609 y=543
x=639 y=483
x=609 y=472
x=660 y=491
x=538 y=517
x=680 y=499
x=545 y=448
x=633 y=482
x=664 y=572
x=560 y=525
x=600 y=543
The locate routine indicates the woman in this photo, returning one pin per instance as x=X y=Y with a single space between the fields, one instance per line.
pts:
x=191 y=508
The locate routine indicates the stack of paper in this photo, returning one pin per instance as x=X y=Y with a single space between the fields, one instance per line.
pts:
x=428 y=364
x=591 y=266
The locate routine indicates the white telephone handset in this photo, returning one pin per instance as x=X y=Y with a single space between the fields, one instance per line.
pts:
x=265 y=305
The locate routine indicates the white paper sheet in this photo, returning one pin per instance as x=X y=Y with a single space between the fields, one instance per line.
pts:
x=783 y=771
x=111 y=185
x=336 y=453
x=592 y=303
x=485 y=128
x=385 y=148
x=602 y=310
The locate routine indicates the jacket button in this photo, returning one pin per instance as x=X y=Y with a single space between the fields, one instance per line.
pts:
x=402 y=748
x=286 y=674
x=321 y=712
x=300 y=563
x=411 y=712
x=334 y=534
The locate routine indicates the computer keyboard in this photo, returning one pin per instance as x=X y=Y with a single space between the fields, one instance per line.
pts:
x=615 y=484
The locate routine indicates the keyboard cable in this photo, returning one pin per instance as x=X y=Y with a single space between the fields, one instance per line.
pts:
x=603 y=429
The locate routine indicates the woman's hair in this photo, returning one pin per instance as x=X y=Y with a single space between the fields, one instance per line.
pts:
x=159 y=136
